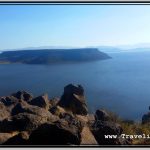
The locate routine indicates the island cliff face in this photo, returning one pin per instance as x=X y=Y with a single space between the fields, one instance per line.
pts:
x=28 y=120
x=52 y=56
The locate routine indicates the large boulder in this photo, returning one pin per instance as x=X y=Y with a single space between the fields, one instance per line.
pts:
x=22 y=107
x=57 y=133
x=41 y=101
x=102 y=129
x=23 y=95
x=26 y=118
x=73 y=99
x=9 y=100
x=23 y=116
x=102 y=115
x=29 y=122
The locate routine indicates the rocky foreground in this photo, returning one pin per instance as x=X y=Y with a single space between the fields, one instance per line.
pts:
x=28 y=120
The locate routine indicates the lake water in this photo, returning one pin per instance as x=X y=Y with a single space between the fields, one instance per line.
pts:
x=120 y=84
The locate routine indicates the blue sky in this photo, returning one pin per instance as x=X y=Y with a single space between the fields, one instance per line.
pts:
x=73 y=25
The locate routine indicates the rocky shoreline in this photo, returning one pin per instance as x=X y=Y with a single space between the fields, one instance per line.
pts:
x=27 y=120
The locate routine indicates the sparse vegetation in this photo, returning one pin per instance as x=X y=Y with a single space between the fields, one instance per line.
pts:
x=131 y=127
x=136 y=128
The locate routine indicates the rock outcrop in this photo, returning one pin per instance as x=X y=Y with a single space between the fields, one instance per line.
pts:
x=104 y=128
x=41 y=101
x=9 y=100
x=25 y=120
x=23 y=95
x=57 y=133
x=73 y=99
x=102 y=115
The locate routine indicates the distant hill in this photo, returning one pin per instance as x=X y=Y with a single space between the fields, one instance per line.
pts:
x=135 y=46
x=47 y=56
x=109 y=49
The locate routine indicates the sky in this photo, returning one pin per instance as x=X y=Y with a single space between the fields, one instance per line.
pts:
x=73 y=25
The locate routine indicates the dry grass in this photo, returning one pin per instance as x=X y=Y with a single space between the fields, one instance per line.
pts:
x=136 y=129
x=132 y=128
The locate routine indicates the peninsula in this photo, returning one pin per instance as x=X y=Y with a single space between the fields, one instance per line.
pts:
x=48 y=56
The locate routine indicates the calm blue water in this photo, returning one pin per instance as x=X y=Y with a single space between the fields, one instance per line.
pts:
x=120 y=84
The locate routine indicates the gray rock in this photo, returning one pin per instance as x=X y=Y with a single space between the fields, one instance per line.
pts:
x=9 y=100
x=26 y=117
x=24 y=107
x=23 y=95
x=57 y=133
x=41 y=101
x=102 y=115
x=102 y=128
x=73 y=99
x=29 y=122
